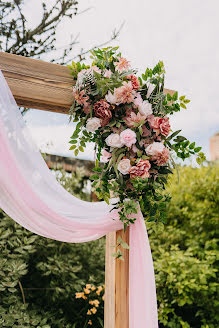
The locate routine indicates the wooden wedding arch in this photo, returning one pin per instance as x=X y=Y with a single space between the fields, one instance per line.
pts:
x=46 y=86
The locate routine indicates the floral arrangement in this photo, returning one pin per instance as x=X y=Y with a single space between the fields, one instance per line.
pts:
x=92 y=303
x=127 y=117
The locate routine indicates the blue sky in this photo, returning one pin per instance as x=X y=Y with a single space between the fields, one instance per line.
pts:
x=184 y=34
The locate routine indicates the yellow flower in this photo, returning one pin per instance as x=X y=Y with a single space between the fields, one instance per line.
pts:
x=93 y=310
x=88 y=312
x=87 y=291
x=103 y=298
x=88 y=286
x=93 y=288
x=100 y=288
x=79 y=295
x=89 y=322
x=94 y=302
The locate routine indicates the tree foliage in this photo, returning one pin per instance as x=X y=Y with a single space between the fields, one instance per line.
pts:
x=45 y=274
x=17 y=36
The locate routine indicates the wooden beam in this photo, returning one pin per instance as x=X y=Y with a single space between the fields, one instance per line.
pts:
x=37 y=84
x=116 y=307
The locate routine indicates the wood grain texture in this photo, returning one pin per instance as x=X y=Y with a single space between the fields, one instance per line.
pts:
x=37 y=84
x=116 y=308
x=110 y=269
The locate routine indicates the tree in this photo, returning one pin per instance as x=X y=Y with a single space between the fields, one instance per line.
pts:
x=17 y=37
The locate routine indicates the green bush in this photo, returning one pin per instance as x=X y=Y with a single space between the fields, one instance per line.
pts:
x=45 y=274
x=185 y=251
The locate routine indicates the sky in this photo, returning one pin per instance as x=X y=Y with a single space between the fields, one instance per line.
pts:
x=184 y=34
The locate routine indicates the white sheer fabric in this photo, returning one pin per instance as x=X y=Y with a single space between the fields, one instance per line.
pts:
x=30 y=194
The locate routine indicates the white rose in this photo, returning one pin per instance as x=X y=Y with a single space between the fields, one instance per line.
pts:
x=113 y=140
x=155 y=148
x=110 y=98
x=93 y=124
x=145 y=108
x=124 y=166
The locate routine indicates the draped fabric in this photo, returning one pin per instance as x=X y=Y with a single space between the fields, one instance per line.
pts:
x=30 y=195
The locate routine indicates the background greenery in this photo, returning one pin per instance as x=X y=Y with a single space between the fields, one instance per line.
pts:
x=45 y=274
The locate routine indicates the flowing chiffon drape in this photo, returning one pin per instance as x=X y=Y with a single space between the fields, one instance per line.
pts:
x=30 y=195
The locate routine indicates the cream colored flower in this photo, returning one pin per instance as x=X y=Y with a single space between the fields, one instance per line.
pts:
x=124 y=166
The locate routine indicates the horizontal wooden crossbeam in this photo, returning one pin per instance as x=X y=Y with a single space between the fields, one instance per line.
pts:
x=38 y=84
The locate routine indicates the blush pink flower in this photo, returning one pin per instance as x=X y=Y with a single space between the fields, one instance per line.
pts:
x=107 y=73
x=134 y=80
x=138 y=100
x=122 y=65
x=132 y=119
x=146 y=132
x=140 y=170
x=87 y=109
x=160 y=125
x=124 y=94
x=102 y=110
x=163 y=158
x=158 y=153
x=80 y=97
x=128 y=137
x=105 y=155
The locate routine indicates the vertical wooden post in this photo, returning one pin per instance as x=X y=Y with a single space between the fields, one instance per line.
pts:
x=116 y=308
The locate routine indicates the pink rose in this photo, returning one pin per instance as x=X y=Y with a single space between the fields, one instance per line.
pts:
x=140 y=170
x=134 y=80
x=128 y=137
x=105 y=155
x=101 y=110
x=165 y=126
x=160 y=125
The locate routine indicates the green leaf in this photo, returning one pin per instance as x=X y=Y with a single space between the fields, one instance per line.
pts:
x=81 y=148
x=197 y=149
x=72 y=147
x=169 y=98
x=76 y=152
x=182 y=105
x=94 y=177
x=175 y=96
x=73 y=141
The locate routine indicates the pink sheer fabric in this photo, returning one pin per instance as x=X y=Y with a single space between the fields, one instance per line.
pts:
x=30 y=195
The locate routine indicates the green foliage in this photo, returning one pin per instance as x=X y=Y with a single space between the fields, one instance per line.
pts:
x=45 y=274
x=185 y=251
